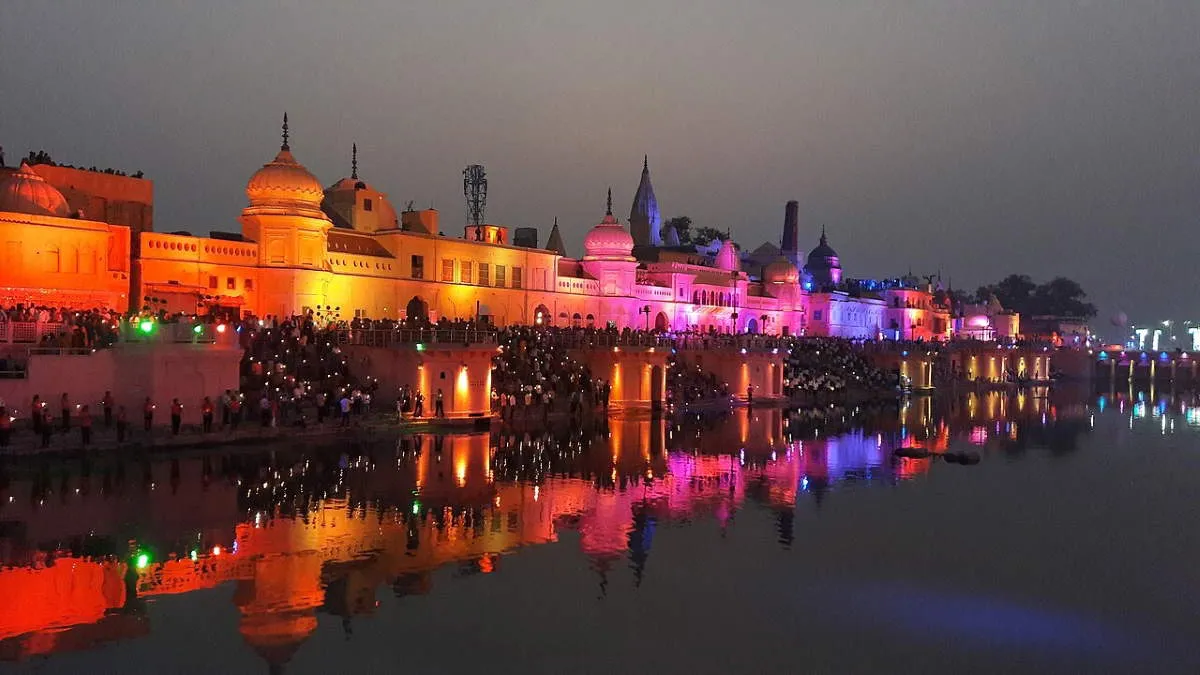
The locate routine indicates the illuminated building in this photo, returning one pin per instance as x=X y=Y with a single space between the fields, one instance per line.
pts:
x=346 y=251
x=53 y=253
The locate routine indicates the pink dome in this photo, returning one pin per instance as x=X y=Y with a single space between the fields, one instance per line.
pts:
x=781 y=271
x=608 y=240
x=727 y=257
x=26 y=192
x=282 y=182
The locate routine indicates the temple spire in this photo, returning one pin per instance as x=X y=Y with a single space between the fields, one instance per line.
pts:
x=608 y=212
x=354 y=161
x=645 y=223
x=555 y=242
x=824 y=240
x=285 y=133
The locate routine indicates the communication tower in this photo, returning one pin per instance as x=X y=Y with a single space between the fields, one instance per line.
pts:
x=475 y=190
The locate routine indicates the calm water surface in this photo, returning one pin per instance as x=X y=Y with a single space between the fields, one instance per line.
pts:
x=754 y=542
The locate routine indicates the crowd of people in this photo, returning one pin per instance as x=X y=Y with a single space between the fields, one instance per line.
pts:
x=534 y=371
x=820 y=366
x=93 y=328
x=43 y=157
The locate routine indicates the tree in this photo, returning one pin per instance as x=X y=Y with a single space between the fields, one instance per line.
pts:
x=1058 y=297
x=959 y=298
x=1015 y=291
x=1062 y=297
x=683 y=227
x=703 y=236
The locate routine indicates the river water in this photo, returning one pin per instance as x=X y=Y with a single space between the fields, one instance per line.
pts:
x=751 y=542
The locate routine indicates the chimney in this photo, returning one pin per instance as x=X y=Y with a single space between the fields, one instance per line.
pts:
x=791 y=227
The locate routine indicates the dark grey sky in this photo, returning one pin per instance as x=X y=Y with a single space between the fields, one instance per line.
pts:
x=979 y=137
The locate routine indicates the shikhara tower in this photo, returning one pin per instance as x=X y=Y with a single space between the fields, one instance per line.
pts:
x=645 y=223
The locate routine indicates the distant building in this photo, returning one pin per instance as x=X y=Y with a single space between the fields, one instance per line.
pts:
x=343 y=251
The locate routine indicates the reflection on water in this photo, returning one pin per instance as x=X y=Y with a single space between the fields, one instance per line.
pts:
x=301 y=532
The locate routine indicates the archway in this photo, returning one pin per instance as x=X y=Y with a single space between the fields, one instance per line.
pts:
x=661 y=324
x=542 y=316
x=752 y=326
x=417 y=309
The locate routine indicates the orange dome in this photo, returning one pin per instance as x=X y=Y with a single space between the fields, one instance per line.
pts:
x=26 y=192
x=276 y=637
x=282 y=182
x=781 y=271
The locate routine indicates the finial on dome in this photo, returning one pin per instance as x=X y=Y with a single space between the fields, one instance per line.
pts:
x=285 y=133
x=354 y=161
x=609 y=211
x=824 y=242
x=645 y=163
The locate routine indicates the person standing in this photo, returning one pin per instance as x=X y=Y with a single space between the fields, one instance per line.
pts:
x=5 y=427
x=419 y=406
x=226 y=404
x=206 y=414
x=148 y=414
x=47 y=428
x=107 y=402
x=122 y=424
x=35 y=413
x=235 y=410
x=85 y=426
x=264 y=411
x=439 y=409
x=66 y=413
x=322 y=409
x=344 y=407
x=176 y=416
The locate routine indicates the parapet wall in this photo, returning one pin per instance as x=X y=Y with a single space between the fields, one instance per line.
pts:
x=462 y=373
x=162 y=371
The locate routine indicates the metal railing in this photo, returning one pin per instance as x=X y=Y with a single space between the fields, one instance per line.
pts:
x=584 y=340
x=734 y=342
x=25 y=332
x=372 y=337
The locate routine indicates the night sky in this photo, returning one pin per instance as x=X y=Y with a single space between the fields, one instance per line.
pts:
x=978 y=138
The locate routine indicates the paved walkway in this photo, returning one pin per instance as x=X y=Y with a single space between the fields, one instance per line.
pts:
x=25 y=443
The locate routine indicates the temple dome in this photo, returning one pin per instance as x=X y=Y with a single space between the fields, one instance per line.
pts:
x=24 y=191
x=823 y=256
x=781 y=271
x=608 y=239
x=823 y=264
x=284 y=181
x=727 y=257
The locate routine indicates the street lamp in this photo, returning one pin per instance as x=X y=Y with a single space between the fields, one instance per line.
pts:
x=645 y=309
